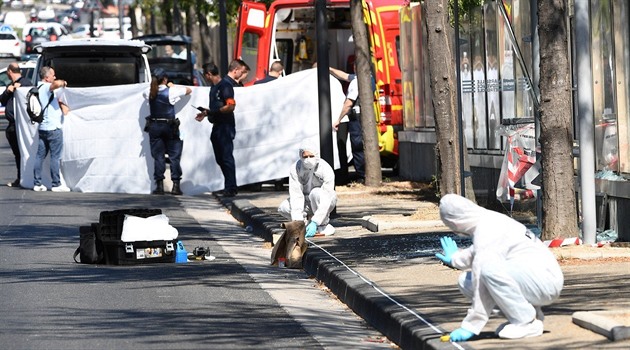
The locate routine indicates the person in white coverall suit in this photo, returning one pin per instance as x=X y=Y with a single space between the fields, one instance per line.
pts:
x=509 y=268
x=311 y=192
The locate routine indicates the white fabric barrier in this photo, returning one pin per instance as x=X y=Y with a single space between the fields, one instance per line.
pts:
x=106 y=150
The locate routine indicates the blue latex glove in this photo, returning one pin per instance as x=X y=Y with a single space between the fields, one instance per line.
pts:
x=449 y=247
x=461 y=334
x=311 y=229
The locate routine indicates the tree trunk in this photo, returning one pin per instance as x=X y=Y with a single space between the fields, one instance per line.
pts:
x=204 y=34
x=556 y=139
x=373 y=173
x=444 y=92
x=190 y=22
x=178 y=28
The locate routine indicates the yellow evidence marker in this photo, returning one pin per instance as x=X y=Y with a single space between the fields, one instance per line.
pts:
x=445 y=338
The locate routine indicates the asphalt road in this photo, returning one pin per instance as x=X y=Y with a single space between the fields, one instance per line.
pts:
x=233 y=302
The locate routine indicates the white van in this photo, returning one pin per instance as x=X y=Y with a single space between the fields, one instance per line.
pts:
x=96 y=62
x=16 y=19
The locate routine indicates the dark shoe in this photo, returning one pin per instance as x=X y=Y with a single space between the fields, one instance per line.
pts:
x=176 y=190
x=15 y=183
x=159 y=187
x=229 y=193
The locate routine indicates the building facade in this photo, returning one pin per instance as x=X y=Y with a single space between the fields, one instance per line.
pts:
x=498 y=71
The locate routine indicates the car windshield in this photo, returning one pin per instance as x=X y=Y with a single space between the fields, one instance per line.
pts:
x=6 y=36
x=172 y=56
x=38 y=32
x=168 y=52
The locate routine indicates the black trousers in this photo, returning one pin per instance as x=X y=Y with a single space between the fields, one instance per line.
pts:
x=13 y=142
x=341 y=176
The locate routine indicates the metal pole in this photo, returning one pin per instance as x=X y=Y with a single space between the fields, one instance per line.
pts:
x=121 y=30
x=460 y=124
x=585 y=122
x=535 y=81
x=223 y=47
x=323 y=84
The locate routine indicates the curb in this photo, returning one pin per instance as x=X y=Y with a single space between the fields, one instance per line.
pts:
x=599 y=322
x=405 y=327
x=376 y=224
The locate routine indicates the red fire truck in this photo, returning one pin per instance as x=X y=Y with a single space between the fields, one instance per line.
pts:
x=286 y=31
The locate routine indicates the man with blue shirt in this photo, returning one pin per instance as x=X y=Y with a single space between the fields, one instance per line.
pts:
x=50 y=133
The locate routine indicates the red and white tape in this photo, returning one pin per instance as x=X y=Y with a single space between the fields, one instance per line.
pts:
x=561 y=242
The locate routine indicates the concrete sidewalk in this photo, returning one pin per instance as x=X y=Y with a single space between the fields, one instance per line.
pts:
x=413 y=300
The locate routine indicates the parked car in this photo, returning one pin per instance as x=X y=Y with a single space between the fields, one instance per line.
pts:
x=17 y=4
x=40 y=32
x=68 y=18
x=82 y=31
x=199 y=79
x=16 y=19
x=46 y=15
x=10 y=45
x=96 y=62
x=173 y=54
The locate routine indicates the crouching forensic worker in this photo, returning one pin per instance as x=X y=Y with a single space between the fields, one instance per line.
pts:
x=509 y=268
x=311 y=192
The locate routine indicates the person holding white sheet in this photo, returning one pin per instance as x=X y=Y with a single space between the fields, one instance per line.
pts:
x=50 y=130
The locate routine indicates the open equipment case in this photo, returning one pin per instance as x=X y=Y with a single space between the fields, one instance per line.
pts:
x=117 y=252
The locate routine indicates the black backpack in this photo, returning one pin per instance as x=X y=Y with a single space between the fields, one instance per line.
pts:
x=91 y=250
x=34 y=106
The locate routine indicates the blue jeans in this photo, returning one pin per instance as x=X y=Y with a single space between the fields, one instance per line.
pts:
x=222 y=138
x=163 y=141
x=49 y=141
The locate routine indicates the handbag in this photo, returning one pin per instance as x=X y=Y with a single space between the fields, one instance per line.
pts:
x=90 y=249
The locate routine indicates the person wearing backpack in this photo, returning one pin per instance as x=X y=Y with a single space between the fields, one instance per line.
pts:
x=50 y=129
x=6 y=98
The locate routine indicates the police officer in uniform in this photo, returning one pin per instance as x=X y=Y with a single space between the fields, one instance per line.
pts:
x=222 y=106
x=6 y=98
x=163 y=129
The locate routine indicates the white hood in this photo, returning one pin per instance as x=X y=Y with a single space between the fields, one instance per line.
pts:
x=460 y=214
x=311 y=146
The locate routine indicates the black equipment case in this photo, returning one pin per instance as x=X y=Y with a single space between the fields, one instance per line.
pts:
x=118 y=252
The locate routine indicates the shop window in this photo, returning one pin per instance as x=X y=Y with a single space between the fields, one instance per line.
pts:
x=604 y=91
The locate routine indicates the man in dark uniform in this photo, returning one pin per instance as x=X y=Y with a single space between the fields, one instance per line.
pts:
x=222 y=105
x=275 y=71
x=14 y=73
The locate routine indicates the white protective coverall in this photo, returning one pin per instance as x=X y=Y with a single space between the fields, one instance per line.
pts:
x=510 y=267
x=311 y=191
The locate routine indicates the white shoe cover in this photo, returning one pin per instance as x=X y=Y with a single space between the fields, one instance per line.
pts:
x=517 y=331
x=500 y=328
x=327 y=230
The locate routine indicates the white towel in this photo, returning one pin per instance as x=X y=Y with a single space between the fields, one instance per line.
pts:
x=153 y=228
